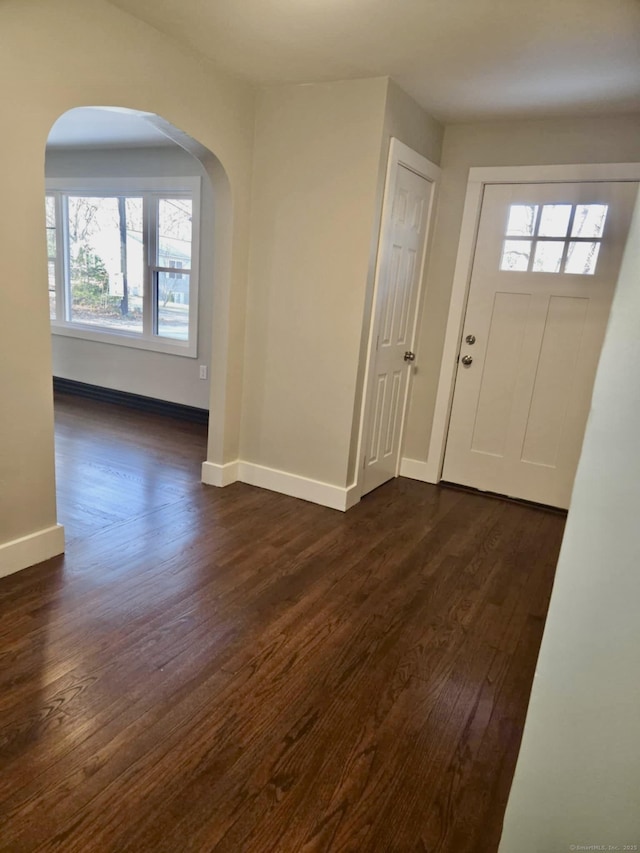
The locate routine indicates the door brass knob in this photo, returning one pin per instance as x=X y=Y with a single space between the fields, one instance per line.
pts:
x=467 y=360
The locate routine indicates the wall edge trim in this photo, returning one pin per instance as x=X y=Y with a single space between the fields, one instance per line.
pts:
x=283 y=482
x=219 y=475
x=416 y=469
x=32 y=549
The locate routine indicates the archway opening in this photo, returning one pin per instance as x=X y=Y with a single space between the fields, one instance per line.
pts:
x=137 y=231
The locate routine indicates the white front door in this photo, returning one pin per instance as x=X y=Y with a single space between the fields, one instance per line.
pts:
x=545 y=267
x=400 y=262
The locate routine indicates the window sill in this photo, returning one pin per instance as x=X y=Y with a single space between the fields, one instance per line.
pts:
x=124 y=339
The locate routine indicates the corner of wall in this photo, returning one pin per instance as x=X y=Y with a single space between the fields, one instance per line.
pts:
x=409 y=122
x=283 y=482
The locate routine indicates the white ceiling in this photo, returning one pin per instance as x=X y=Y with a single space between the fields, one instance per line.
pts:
x=461 y=59
x=91 y=127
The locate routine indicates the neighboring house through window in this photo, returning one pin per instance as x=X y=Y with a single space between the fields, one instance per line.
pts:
x=123 y=261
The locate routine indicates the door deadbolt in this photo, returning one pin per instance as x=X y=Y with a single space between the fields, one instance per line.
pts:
x=470 y=339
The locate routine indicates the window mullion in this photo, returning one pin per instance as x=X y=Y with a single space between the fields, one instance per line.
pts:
x=149 y=212
x=534 y=238
x=565 y=249
x=63 y=262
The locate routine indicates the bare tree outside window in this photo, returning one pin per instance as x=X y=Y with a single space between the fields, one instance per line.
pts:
x=115 y=252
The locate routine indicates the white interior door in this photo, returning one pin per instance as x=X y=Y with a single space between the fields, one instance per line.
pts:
x=545 y=267
x=400 y=264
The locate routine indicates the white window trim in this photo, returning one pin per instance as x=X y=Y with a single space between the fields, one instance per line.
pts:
x=128 y=187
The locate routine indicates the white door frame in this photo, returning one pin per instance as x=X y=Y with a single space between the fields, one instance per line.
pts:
x=479 y=177
x=399 y=155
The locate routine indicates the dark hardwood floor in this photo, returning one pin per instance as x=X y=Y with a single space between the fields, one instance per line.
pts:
x=236 y=670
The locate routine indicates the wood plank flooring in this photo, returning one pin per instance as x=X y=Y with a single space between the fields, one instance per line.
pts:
x=235 y=670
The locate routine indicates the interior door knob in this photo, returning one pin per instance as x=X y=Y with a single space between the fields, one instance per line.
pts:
x=466 y=360
x=409 y=356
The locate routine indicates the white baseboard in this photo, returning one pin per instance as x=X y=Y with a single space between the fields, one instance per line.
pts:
x=29 y=550
x=415 y=469
x=352 y=496
x=315 y=491
x=219 y=475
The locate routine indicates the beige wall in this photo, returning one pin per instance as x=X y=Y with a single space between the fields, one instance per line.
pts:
x=405 y=120
x=310 y=200
x=578 y=773
x=587 y=140
x=320 y=160
x=317 y=153
x=56 y=56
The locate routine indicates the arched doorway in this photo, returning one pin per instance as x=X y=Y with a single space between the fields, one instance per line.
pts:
x=138 y=239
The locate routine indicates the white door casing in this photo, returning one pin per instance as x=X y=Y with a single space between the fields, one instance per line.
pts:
x=520 y=405
x=406 y=217
x=480 y=177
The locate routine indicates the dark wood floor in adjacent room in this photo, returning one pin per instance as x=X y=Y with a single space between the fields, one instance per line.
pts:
x=236 y=670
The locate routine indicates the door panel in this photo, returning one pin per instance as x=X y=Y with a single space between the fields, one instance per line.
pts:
x=555 y=378
x=545 y=266
x=500 y=373
x=402 y=250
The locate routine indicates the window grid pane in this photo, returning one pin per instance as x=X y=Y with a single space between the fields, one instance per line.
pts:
x=589 y=220
x=515 y=255
x=50 y=214
x=554 y=220
x=574 y=224
x=582 y=258
x=522 y=220
x=172 y=287
x=106 y=262
x=173 y=305
x=174 y=232
x=52 y=289
x=548 y=256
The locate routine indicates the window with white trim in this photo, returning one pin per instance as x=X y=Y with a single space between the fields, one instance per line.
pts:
x=123 y=261
x=553 y=238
